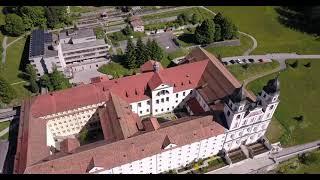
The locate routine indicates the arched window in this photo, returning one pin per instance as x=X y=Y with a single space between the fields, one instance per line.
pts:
x=162 y=92
x=238 y=117
x=271 y=107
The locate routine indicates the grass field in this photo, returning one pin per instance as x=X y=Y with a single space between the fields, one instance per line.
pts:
x=299 y=96
x=253 y=69
x=227 y=51
x=13 y=59
x=261 y=22
x=202 y=14
x=114 y=69
x=5 y=136
x=293 y=166
x=4 y=125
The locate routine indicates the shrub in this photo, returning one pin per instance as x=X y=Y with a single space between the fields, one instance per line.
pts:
x=308 y=65
x=295 y=64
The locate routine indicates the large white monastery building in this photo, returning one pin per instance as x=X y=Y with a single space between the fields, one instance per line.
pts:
x=214 y=114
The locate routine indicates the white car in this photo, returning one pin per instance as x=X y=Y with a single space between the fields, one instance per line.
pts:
x=239 y=61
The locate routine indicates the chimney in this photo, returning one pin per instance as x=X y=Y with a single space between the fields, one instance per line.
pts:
x=156 y=67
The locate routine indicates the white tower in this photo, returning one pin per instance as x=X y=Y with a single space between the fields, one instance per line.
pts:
x=269 y=97
x=234 y=108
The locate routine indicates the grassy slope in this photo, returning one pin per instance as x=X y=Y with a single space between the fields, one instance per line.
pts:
x=313 y=168
x=11 y=67
x=246 y=43
x=4 y=125
x=261 y=22
x=299 y=96
x=254 y=69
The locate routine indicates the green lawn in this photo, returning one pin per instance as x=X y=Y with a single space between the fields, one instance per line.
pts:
x=202 y=14
x=5 y=136
x=4 y=125
x=10 y=39
x=227 y=51
x=114 y=69
x=11 y=66
x=293 y=166
x=274 y=131
x=299 y=95
x=261 y=22
x=22 y=92
x=241 y=73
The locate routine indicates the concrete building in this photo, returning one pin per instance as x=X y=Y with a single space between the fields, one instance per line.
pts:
x=70 y=51
x=217 y=114
x=137 y=24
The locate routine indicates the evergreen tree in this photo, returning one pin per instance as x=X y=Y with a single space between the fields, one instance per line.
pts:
x=180 y=19
x=127 y=31
x=7 y=93
x=235 y=32
x=34 y=14
x=156 y=51
x=227 y=29
x=141 y=52
x=204 y=33
x=218 y=19
x=148 y=49
x=130 y=56
x=217 y=34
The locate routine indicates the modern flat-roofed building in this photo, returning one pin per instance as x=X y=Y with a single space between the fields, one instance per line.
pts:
x=70 y=51
x=216 y=114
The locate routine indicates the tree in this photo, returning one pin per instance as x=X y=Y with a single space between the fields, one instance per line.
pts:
x=308 y=158
x=52 y=20
x=127 y=31
x=14 y=25
x=7 y=93
x=218 y=18
x=35 y=14
x=141 y=53
x=148 y=49
x=227 y=29
x=99 y=32
x=130 y=56
x=295 y=64
x=156 y=51
x=195 y=19
x=217 y=34
x=58 y=80
x=57 y=15
x=180 y=19
x=204 y=33
x=31 y=71
x=235 y=32
x=45 y=82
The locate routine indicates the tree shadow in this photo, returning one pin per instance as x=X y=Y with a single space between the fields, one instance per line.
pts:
x=293 y=18
x=187 y=38
x=25 y=55
x=298 y=118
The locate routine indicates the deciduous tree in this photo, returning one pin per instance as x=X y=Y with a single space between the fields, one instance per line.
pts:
x=204 y=33
x=14 y=25
x=7 y=93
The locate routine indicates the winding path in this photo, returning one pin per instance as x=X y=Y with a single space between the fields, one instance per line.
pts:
x=5 y=46
x=255 y=43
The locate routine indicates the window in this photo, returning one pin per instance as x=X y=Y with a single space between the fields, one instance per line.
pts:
x=264 y=95
x=162 y=100
x=176 y=101
x=140 y=112
x=177 y=95
x=167 y=109
x=228 y=113
x=161 y=109
x=184 y=94
x=148 y=102
x=190 y=91
x=232 y=136
x=156 y=110
x=139 y=104
x=167 y=98
x=147 y=110
x=271 y=107
x=238 y=117
x=157 y=101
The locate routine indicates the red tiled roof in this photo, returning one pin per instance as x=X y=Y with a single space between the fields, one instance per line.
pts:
x=194 y=106
x=149 y=66
x=131 y=149
x=136 y=21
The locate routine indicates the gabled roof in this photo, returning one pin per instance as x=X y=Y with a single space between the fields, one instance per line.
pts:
x=149 y=66
x=166 y=142
x=155 y=81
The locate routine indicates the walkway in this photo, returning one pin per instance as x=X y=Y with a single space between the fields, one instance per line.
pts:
x=255 y=43
x=5 y=45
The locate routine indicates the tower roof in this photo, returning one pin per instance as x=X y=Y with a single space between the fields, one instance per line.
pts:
x=238 y=94
x=272 y=86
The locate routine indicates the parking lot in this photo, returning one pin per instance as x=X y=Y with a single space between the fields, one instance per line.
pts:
x=249 y=60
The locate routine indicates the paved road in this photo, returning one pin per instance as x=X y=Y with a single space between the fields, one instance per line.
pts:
x=280 y=57
x=254 y=165
x=3 y=153
x=4 y=49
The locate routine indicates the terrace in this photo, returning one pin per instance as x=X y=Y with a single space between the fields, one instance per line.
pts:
x=236 y=155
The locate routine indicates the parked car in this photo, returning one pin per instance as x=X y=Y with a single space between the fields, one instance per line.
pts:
x=251 y=60
x=232 y=61
x=225 y=63
x=260 y=60
x=244 y=60
x=239 y=61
